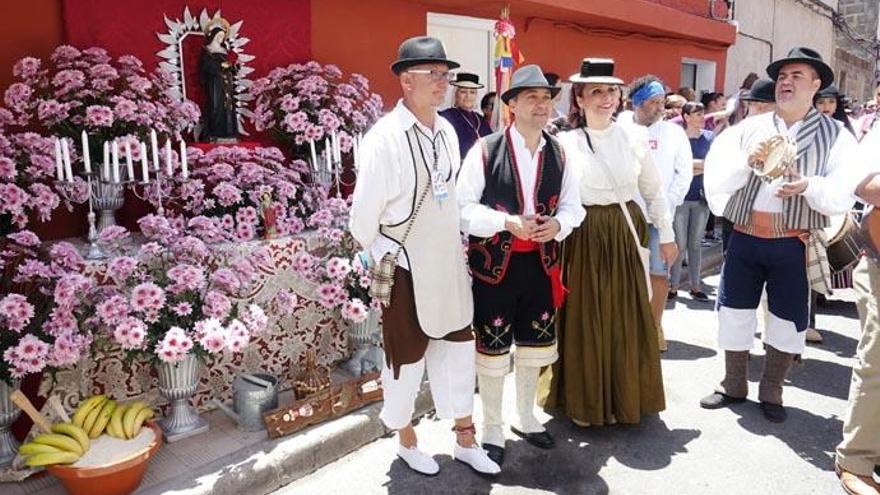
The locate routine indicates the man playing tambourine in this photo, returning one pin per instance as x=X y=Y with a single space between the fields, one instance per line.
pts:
x=778 y=177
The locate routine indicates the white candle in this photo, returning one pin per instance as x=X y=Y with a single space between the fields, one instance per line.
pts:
x=59 y=161
x=145 y=168
x=314 y=155
x=168 y=166
x=105 y=172
x=129 y=166
x=87 y=159
x=354 y=152
x=184 y=169
x=328 y=157
x=154 y=142
x=115 y=161
x=65 y=151
x=337 y=151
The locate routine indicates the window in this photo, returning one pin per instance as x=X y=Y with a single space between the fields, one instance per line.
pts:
x=698 y=74
x=468 y=41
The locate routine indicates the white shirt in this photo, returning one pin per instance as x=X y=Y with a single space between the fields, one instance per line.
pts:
x=671 y=152
x=482 y=221
x=624 y=149
x=869 y=148
x=727 y=170
x=384 y=192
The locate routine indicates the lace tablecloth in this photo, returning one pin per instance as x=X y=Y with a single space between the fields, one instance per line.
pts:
x=278 y=351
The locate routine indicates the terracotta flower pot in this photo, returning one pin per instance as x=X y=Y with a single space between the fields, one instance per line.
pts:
x=120 y=478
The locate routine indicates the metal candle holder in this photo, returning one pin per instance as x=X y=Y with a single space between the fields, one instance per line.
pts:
x=94 y=251
x=109 y=197
x=142 y=190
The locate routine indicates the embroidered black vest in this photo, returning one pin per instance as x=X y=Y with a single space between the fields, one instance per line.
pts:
x=489 y=257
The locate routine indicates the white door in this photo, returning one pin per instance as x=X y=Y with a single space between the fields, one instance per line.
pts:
x=468 y=41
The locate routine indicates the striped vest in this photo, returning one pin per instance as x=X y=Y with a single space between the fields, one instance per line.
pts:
x=814 y=141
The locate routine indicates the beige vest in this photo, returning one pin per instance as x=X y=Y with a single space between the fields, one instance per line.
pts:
x=434 y=250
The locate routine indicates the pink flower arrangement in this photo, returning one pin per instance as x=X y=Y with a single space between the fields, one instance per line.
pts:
x=263 y=195
x=44 y=310
x=175 y=297
x=341 y=277
x=303 y=102
x=28 y=191
x=78 y=90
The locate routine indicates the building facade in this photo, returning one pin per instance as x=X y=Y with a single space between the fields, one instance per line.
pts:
x=856 y=47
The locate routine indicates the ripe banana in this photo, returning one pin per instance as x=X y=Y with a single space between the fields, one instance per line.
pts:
x=103 y=419
x=129 y=418
x=32 y=448
x=114 y=428
x=85 y=408
x=46 y=458
x=63 y=442
x=142 y=415
x=89 y=422
x=73 y=431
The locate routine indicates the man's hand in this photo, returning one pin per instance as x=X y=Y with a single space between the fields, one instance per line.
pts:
x=669 y=252
x=795 y=185
x=547 y=229
x=521 y=226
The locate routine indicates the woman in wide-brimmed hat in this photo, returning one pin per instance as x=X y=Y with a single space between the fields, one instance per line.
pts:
x=609 y=365
x=469 y=125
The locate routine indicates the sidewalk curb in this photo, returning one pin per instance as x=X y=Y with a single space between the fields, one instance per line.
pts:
x=271 y=464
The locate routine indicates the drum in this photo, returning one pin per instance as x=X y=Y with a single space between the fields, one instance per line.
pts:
x=844 y=242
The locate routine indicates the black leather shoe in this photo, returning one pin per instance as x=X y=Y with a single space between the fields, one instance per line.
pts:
x=494 y=452
x=774 y=413
x=541 y=439
x=717 y=400
x=699 y=296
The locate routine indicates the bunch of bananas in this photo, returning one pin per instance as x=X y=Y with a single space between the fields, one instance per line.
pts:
x=99 y=413
x=65 y=445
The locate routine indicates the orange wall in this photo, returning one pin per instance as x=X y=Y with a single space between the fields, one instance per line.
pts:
x=32 y=27
x=373 y=30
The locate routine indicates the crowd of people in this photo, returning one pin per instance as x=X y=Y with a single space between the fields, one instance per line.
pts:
x=578 y=225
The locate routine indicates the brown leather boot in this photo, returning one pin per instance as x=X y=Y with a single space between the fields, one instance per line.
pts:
x=735 y=386
x=776 y=366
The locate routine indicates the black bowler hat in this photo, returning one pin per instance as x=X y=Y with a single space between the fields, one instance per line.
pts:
x=803 y=55
x=467 y=80
x=830 y=92
x=421 y=50
x=528 y=77
x=763 y=90
x=596 y=71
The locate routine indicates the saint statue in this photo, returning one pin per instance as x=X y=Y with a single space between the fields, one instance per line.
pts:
x=217 y=68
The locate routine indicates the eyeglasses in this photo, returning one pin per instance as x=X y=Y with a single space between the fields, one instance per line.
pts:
x=434 y=75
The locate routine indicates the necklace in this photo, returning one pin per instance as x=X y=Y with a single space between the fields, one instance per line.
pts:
x=464 y=116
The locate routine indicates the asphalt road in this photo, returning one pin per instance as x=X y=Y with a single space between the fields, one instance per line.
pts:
x=683 y=450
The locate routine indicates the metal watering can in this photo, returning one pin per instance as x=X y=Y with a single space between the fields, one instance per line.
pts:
x=253 y=394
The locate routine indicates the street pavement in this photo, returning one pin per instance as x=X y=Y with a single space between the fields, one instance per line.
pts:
x=683 y=450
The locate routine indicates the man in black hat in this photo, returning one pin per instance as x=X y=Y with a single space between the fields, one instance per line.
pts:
x=777 y=177
x=518 y=201
x=405 y=213
x=469 y=125
x=760 y=98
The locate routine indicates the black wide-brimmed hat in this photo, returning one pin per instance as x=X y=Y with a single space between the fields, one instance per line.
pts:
x=763 y=90
x=528 y=77
x=467 y=80
x=803 y=55
x=421 y=50
x=830 y=92
x=596 y=71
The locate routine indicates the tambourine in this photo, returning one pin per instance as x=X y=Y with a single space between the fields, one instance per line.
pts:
x=771 y=157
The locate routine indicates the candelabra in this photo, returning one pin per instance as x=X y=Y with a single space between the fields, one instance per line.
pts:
x=94 y=251
x=109 y=197
x=155 y=187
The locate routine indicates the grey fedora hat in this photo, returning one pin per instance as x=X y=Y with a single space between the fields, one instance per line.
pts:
x=528 y=77
x=421 y=50
x=596 y=71
x=803 y=55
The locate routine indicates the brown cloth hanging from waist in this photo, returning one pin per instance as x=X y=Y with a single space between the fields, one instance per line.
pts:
x=402 y=336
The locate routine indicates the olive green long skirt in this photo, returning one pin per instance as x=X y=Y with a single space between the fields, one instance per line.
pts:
x=609 y=362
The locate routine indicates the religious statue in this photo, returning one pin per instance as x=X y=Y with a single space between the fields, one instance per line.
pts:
x=217 y=68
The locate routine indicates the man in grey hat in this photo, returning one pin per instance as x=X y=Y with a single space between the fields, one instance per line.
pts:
x=777 y=206
x=404 y=212
x=518 y=201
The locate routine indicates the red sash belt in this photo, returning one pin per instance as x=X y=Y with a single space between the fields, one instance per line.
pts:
x=559 y=290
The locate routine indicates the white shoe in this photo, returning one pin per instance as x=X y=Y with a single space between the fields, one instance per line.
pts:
x=814 y=336
x=476 y=458
x=418 y=461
